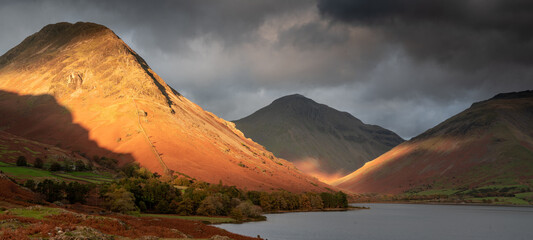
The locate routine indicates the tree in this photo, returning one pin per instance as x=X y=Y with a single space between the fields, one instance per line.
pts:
x=55 y=167
x=186 y=207
x=50 y=189
x=254 y=196
x=30 y=184
x=214 y=205
x=38 y=163
x=68 y=166
x=76 y=192
x=21 y=161
x=80 y=166
x=162 y=207
x=121 y=200
x=341 y=199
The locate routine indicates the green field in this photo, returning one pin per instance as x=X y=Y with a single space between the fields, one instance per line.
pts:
x=438 y=192
x=212 y=220
x=24 y=173
x=499 y=200
x=3 y=164
x=85 y=176
x=34 y=212
x=498 y=194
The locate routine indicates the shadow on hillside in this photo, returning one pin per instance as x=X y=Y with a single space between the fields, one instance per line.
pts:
x=43 y=119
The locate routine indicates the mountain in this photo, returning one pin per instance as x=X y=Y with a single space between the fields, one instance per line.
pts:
x=81 y=88
x=318 y=139
x=490 y=143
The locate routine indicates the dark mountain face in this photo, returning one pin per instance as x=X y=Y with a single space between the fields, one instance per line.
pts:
x=491 y=143
x=318 y=139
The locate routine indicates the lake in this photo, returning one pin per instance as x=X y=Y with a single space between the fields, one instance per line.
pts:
x=396 y=221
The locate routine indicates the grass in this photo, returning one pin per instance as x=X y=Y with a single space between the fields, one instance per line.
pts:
x=91 y=177
x=31 y=151
x=3 y=164
x=28 y=172
x=501 y=200
x=524 y=195
x=5 y=151
x=503 y=186
x=437 y=192
x=212 y=220
x=35 y=212
x=25 y=172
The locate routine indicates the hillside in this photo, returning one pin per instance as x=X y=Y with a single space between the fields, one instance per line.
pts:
x=488 y=144
x=318 y=139
x=81 y=88
x=13 y=195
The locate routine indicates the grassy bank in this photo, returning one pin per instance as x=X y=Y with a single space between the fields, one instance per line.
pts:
x=498 y=194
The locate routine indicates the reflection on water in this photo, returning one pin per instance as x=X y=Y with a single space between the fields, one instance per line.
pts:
x=396 y=221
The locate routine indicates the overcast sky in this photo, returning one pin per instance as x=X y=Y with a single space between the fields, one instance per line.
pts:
x=404 y=65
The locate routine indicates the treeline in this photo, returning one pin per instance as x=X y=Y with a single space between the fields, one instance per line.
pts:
x=67 y=166
x=52 y=191
x=142 y=191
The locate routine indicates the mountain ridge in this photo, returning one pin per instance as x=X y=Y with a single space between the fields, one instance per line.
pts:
x=320 y=140
x=489 y=143
x=103 y=86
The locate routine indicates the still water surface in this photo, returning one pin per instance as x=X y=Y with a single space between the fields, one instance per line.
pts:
x=396 y=221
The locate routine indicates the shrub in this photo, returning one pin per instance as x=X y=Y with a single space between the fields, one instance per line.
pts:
x=247 y=210
x=38 y=163
x=21 y=161
x=182 y=181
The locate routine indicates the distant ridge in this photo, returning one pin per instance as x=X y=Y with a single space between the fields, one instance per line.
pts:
x=491 y=143
x=319 y=139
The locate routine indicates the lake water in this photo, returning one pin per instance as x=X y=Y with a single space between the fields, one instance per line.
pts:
x=396 y=221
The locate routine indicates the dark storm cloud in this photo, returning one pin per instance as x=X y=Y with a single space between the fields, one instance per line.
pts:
x=466 y=33
x=166 y=24
x=405 y=65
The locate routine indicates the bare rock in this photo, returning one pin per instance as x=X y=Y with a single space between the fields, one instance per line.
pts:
x=218 y=237
x=81 y=233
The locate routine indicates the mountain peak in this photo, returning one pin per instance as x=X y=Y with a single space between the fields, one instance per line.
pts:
x=59 y=36
x=85 y=58
x=79 y=28
x=514 y=95
x=313 y=134
x=293 y=98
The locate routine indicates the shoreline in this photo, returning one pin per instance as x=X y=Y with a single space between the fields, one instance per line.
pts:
x=444 y=203
x=349 y=208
